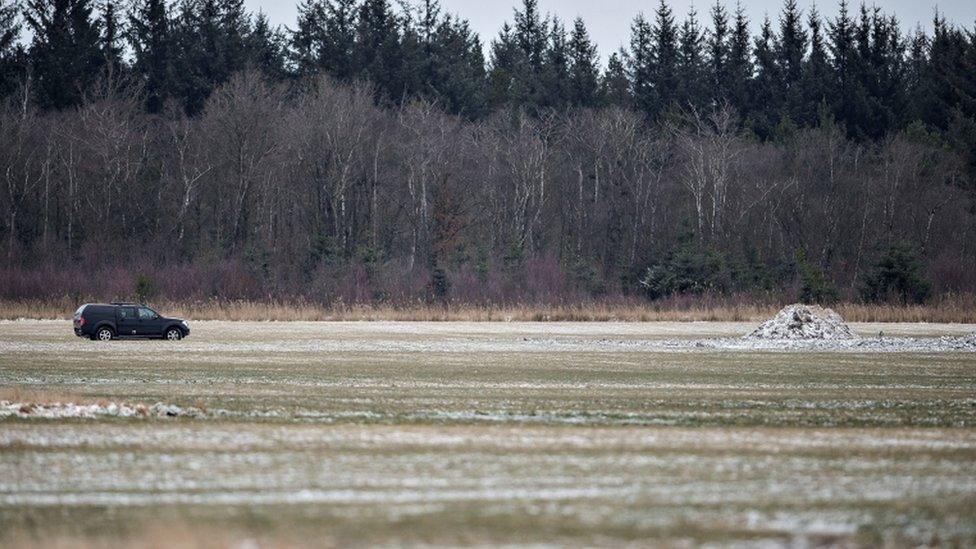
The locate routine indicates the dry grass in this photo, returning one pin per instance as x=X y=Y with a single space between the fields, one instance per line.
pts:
x=949 y=309
x=159 y=535
x=952 y=308
x=44 y=398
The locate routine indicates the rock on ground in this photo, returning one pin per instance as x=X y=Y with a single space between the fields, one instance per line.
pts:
x=803 y=322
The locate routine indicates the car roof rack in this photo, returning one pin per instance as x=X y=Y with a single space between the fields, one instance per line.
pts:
x=126 y=303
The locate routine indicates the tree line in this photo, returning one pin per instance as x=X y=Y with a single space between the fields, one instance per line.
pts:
x=372 y=153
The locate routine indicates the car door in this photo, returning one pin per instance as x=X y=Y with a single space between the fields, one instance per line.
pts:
x=149 y=323
x=127 y=321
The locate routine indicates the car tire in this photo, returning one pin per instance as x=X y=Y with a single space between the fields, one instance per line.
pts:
x=173 y=334
x=104 y=334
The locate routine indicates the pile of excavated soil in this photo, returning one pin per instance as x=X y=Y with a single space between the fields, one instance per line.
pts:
x=803 y=322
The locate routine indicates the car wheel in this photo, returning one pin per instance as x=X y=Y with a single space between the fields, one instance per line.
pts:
x=174 y=334
x=104 y=334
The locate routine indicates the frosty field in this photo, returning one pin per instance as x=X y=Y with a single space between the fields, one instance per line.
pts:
x=366 y=433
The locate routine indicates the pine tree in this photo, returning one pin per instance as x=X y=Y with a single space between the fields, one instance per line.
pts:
x=459 y=65
x=429 y=22
x=968 y=73
x=151 y=42
x=338 y=49
x=198 y=64
x=765 y=110
x=584 y=73
x=415 y=59
x=502 y=86
x=65 y=53
x=640 y=67
x=815 y=84
x=427 y=59
x=519 y=59
x=531 y=36
x=555 y=92
x=665 y=55
x=888 y=69
x=717 y=44
x=845 y=64
x=11 y=55
x=859 y=108
x=615 y=86
x=791 y=50
x=306 y=41
x=210 y=38
x=377 y=44
x=691 y=68
x=842 y=44
x=9 y=27
x=946 y=78
x=265 y=48
x=916 y=84
x=235 y=27
x=862 y=33
x=963 y=129
x=740 y=65
x=111 y=39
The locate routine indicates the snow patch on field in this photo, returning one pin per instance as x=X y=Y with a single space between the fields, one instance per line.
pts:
x=880 y=344
x=68 y=410
x=241 y=352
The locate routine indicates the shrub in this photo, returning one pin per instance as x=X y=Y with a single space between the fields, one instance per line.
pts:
x=689 y=270
x=514 y=256
x=484 y=265
x=896 y=274
x=145 y=288
x=439 y=283
x=814 y=285
x=323 y=250
x=588 y=278
x=258 y=260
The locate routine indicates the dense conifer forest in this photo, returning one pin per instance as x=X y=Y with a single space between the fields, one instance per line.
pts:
x=378 y=153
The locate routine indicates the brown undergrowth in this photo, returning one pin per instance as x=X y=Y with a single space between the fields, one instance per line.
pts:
x=953 y=308
x=43 y=398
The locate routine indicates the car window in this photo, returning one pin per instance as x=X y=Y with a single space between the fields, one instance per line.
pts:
x=147 y=314
x=127 y=313
x=80 y=310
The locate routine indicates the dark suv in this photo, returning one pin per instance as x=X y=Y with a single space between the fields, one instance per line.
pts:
x=108 y=321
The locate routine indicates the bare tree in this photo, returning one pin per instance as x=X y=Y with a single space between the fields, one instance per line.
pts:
x=709 y=147
x=242 y=122
x=429 y=138
x=24 y=166
x=332 y=125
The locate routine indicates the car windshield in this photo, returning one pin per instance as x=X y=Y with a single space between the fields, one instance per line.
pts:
x=80 y=310
x=147 y=314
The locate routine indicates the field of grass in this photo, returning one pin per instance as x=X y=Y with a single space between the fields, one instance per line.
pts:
x=469 y=433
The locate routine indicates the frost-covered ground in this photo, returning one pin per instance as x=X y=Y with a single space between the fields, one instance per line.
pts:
x=577 y=434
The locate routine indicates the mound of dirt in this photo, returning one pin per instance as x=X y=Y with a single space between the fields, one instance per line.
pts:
x=800 y=322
